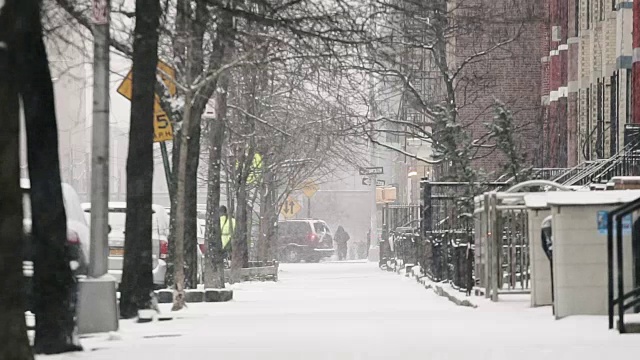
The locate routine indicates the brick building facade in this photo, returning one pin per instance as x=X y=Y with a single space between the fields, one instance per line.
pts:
x=586 y=72
x=509 y=73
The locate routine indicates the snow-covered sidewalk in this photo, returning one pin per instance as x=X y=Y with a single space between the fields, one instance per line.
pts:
x=356 y=311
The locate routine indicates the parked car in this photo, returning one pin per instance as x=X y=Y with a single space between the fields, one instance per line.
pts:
x=159 y=241
x=78 y=236
x=308 y=240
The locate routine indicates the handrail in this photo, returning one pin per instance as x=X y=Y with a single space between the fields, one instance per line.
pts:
x=624 y=160
x=572 y=172
x=616 y=217
x=599 y=164
x=588 y=171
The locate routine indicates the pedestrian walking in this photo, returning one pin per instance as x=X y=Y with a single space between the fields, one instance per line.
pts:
x=342 y=237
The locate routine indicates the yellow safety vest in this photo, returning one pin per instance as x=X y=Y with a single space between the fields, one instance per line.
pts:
x=227 y=228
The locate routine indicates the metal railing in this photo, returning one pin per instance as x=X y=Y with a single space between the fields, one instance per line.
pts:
x=624 y=163
x=573 y=172
x=447 y=232
x=396 y=217
x=624 y=301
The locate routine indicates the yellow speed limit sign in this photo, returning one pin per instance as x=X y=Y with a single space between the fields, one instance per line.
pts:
x=162 y=129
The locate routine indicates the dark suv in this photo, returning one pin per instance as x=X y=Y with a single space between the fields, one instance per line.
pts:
x=308 y=240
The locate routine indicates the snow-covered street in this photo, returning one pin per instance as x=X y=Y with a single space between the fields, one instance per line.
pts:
x=356 y=311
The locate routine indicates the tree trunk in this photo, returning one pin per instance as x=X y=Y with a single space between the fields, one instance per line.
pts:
x=178 y=265
x=239 y=258
x=191 y=189
x=175 y=155
x=137 y=277
x=214 y=264
x=53 y=281
x=263 y=225
x=268 y=215
x=250 y=218
x=13 y=332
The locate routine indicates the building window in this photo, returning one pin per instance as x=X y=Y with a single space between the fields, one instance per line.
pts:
x=588 y=11
x=576 y=18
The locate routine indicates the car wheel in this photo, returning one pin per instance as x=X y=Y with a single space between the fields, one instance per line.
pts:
x=291 y=255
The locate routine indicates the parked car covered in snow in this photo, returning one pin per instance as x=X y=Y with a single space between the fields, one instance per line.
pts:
x=159 y=240
x=78 y=236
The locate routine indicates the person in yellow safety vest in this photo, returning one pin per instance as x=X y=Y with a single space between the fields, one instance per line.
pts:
x=227 y=226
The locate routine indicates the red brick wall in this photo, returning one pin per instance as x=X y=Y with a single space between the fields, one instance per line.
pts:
x=556 y=129
x=635 y=70
x=511 y=75
x=545 y=46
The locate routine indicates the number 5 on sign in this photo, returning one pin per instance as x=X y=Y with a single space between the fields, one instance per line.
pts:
x=162 y=130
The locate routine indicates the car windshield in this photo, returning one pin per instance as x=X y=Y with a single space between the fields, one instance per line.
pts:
x=294 y=228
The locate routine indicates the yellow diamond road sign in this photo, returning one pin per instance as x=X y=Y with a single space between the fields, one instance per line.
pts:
x=291 y=208
x=167 y=74
x=310 y=188
x=161 y=124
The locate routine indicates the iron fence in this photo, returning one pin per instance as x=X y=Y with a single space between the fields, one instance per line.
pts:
x=437 y=235
x=396 y=220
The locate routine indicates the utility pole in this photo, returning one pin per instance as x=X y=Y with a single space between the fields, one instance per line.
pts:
x=100 y=140
x=374 y=251
x=97 y=310
x=373 y=248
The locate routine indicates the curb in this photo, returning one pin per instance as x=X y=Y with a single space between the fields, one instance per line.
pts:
x=439 y=290
x=196 y=296
x=409 y=270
